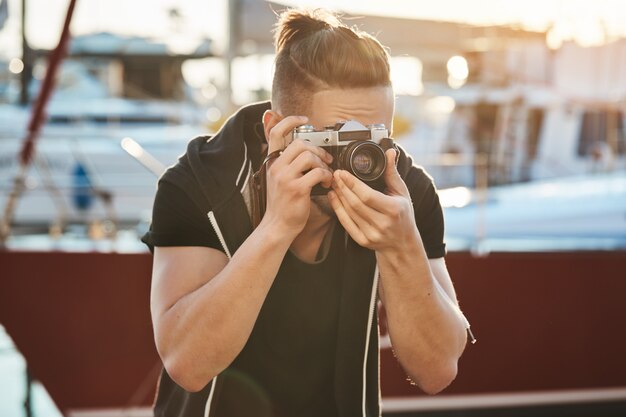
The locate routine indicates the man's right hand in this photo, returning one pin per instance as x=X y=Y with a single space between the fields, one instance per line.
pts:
x=198 y=329
x=292 y=175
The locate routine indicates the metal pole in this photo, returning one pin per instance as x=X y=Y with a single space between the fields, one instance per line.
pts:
x=27 y=60
x=37 y=119
x=233 y=45
x=28 y=399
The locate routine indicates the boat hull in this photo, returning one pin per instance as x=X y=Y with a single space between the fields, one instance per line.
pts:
x=547 y=323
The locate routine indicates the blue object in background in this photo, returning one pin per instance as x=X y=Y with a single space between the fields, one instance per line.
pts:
x=82 y=197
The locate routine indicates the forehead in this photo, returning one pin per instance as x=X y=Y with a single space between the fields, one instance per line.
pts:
x=366 y=105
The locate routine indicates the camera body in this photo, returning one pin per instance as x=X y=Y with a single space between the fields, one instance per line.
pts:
x=355 y=148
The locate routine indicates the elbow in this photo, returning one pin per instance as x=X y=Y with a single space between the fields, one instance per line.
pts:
x=192 y=371
x=180 y=367
x=190 y=365
x=438 y=378
x=186 y=369
x=186 y=375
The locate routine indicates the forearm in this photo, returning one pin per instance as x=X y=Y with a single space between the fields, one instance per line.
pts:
x=426 y=328
x=426 y=332
x=203 y=332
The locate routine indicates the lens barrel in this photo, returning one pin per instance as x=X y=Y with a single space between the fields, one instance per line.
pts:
x=365 y=160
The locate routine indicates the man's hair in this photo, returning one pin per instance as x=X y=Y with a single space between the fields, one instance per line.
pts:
x=315 y=52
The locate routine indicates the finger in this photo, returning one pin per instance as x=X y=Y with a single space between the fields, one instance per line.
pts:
x=393 y=180
x=316 y=176
x=370 y=197
x=346 y=221
x=305 y=161
x=299 y=146
x=367 y=226
x=280 y=135
x=354 y=203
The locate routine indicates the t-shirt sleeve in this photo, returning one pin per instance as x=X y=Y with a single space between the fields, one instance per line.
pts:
x=178 y=221
x=428 y=214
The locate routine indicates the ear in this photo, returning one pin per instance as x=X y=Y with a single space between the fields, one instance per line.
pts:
x=270 y=119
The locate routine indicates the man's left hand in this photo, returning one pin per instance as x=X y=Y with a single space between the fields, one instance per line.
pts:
x=375 y=220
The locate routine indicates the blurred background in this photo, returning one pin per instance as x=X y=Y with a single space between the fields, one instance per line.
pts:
x=489 y=94
x=517 y=109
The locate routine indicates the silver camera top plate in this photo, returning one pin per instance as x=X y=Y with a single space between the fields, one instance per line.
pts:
x=341 y=133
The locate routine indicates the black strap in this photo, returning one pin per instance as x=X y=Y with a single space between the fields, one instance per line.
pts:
x=260 y=189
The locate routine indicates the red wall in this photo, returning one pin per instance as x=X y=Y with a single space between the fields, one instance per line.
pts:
x=543 y=321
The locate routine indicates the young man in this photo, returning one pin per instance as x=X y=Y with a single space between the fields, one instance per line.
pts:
x=280 y=319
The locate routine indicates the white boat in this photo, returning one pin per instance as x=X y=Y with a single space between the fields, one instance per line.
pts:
x=81 y=172
x=578 y=212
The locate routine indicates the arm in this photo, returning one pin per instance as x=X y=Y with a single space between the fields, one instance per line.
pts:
x=428 y=351
x=426 y=331
x=203 y=306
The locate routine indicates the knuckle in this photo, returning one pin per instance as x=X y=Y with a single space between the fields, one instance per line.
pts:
x=374 y=236
x=320 y=163
x=291 y=187
x=361 y=240
x=276 y=135
x=395 y=210
x=298 y=144
x=361 y=203
x=321 y=152
x=316 y=150
x=300 y=190
x=278 y=176
x=322 y=173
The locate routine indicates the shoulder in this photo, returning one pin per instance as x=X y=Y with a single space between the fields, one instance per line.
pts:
x=426 y=206
x=419 y=182
x=182 y=179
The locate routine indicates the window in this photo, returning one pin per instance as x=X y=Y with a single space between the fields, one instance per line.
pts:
x=602 y=128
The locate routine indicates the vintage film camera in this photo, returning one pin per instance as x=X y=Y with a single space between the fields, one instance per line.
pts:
x=355 y=148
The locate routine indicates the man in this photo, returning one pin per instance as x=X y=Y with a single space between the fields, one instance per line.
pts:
x=280 y=319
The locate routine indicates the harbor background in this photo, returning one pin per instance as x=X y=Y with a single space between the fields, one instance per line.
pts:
x=517 y=110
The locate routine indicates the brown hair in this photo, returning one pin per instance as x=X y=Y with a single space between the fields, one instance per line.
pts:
x=315 y=51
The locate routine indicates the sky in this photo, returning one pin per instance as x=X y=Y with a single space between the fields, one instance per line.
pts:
x=586 y=18
x=531 y=14
x=135 y=17
x=588 y=22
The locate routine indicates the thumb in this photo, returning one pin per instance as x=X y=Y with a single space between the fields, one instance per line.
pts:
x=395 y=184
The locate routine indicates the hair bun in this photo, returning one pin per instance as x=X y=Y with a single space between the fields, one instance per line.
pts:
x=294 y=25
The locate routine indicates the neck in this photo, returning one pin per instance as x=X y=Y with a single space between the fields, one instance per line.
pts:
x=307 y=244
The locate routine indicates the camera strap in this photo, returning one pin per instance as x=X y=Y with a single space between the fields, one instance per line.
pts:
x=259 y=201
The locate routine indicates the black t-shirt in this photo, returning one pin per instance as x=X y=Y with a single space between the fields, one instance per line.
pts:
x=291 y=351
x=289 y=359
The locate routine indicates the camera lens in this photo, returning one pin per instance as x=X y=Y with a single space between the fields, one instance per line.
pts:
x=362 y=162
x=366 y=160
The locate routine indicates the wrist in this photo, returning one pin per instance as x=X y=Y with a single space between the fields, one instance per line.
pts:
x=407 y=243
x=276 y=232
